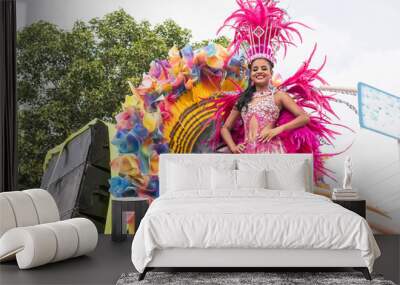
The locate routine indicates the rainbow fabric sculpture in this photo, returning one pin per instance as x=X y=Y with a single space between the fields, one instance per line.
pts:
x=166 y=112
x=183 y=101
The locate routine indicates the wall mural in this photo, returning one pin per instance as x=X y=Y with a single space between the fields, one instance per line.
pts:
x=152 y=123
x=174 y=107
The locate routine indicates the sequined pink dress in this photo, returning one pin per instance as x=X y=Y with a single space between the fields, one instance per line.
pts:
x=260 y=112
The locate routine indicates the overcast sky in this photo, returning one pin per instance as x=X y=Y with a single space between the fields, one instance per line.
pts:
x=359 y=37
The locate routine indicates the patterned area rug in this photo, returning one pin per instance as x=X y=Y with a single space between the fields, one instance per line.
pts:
x=242 y=278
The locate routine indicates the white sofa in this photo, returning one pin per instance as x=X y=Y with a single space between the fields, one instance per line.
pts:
x=31 y=230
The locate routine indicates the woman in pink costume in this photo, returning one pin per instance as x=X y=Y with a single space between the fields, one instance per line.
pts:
x=259 y=106
x=265 y=118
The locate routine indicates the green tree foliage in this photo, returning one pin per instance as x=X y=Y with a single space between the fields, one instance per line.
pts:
x=67 y=78
x=223 y=41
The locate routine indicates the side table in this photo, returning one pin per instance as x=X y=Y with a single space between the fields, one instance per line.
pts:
x=120 y=207
x=357 y=206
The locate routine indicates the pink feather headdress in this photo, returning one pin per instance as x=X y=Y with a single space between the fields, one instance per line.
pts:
x=261 y=29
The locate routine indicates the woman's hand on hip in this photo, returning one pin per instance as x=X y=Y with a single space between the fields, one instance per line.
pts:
x=239 y=148
x=267 y=135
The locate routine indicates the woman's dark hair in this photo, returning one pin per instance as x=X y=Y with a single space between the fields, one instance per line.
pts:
x=247 y=94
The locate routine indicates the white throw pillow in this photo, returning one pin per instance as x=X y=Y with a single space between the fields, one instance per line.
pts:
x=291 y=178
x=183 y=177
x=251 y=178
x=224 y=179
x=282 y=173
